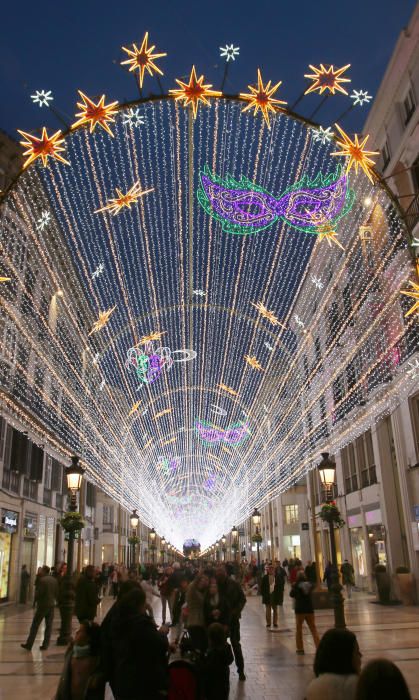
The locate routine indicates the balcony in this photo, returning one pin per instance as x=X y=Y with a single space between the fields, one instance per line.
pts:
x=412 y=213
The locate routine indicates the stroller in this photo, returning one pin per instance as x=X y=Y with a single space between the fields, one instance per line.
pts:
x=183 y=680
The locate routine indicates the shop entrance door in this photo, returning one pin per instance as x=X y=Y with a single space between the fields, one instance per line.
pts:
x=5 y=549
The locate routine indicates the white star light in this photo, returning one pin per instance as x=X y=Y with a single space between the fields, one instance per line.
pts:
x=270 y=348
x=360 y=96
x=298 y=321
x=229 y=52
x=323 y=135
x=414 y=369
x=98 y=271
x=317 y=282
x=133 y=118
x=43 y=220
x=415 y=243
x=96 y=358
x=42 y=98
x=102 y=385
x=199 y=293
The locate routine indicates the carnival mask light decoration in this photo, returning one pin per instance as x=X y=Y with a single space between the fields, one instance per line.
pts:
x=234 y=435
x=148 y=362
x=243 y=208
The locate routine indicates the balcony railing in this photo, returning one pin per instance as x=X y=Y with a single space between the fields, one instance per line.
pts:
x=412 y=213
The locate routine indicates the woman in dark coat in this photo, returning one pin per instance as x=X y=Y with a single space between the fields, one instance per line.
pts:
x=272 y=590
x=215 y=606
x=139 y=651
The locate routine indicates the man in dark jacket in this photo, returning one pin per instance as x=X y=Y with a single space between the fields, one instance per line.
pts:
x=45 y=597
x=86 y=595
x=304 y=611
x=272 y=590
x=232 y=592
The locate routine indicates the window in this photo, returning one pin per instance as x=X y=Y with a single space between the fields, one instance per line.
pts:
x=291 y=514
x=48 y=472
x=409 y=106
x=90 y=495
x=385 y=154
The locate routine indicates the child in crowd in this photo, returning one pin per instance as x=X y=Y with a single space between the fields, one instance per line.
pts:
x=216 y=671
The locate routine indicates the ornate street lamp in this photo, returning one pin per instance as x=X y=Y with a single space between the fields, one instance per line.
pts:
x=257 y=537
x=235 y=541
x=134 y=519
x=152 y=538
x=223 y=547
x=163 y=544
x=72 y=523
x=330 y=513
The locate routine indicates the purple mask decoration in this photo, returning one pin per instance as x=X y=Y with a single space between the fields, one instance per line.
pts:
x=234 y=435
x=243 y=207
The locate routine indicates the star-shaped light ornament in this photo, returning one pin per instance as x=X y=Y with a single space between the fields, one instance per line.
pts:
x=354 y=151
x=413 y=370
x=95 y=114
x=102 y=385
x=360 y=97
x=325 y=233
x=142 y=59
x=228 y=389
x=43 y=220
x=134 y=408
x=317 y=282
x=42 y=98
x=151 y=337
x=413 y=293
x=199 y=293
x=102 y=321
x=229 y=52
x=415 y=242
x=269 y=315
x=132 y=117
x=323 y=135
x=98 y=271
x=327 y=78
x=43 y=148
x=298 y=321
x=194 y=92
x=253 y=362
x=268 y=346
x=115 y=204
x=260 y=98
x=4 y=279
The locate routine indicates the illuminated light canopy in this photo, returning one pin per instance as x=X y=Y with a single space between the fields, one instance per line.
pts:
x=95 y=114
x=130 y=197
x=194 y=92
x=261 y=98
x=242 y=207
x=43 y=148
x=327 y=78
x=354 y=151
x=102 y=321
x=142 y=59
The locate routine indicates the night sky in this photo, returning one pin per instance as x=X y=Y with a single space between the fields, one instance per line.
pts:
x=66 y=46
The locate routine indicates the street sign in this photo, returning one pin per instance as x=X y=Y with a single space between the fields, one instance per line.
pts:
x=304 y=526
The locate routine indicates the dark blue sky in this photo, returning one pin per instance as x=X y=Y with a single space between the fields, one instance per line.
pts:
x=66 y=46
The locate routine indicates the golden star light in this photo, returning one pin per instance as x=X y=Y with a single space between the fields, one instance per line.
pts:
x=358 y=157
x=162 y=413
x=95 y=114
x=103 y=319
x=228 y=389
x=194 y=92
x=269 y=315
x=44 y=147
x=413 y=294
x=327 y=234
x=327 y=79
x=253 y=362
x=260 y=98
x=4 y=279
x=134 y=408
x=142 y=59
x=115 y=204
x=155 y=335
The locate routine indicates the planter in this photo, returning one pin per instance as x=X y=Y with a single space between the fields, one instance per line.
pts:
x=406 y=589
x=383 y=586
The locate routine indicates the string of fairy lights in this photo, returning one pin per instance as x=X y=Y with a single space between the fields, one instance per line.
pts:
x=224 y=289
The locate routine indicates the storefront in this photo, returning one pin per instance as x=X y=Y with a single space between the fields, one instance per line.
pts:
x=292 y=546
x=8 y=527
x=359 y=556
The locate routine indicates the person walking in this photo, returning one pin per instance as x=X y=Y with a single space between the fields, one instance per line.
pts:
x=86 y=595
x=45 y=598
x=328 y=575
x=336 y=666
x=24 y=584
x=195 y=621
x=348 y=576
x=232 y=593
x=163 y=587
x=304 y=611
x=310 y=572
x=272 y=590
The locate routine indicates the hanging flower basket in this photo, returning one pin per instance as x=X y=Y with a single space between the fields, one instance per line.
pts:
x=133 y=539
x=72 y=522
x=330 y=513
x=257 y=538
x=235 y=547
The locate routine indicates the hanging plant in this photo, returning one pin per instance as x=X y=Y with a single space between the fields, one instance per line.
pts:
x=330 y=513
x=133 y=539
x=257 y=537
x=72 y=522
x=235 y=547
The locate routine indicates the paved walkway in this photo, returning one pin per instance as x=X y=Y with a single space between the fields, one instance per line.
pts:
x=272 y=668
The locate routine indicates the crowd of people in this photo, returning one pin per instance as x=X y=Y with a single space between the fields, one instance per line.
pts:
x=189 y=655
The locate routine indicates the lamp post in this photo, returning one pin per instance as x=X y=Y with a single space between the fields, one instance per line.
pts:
x=134 y=524
x=256 y=518
x=152 y=537
x=163 y=544
x=235 y=541
x=71 y=524
x=327 y=472
x=223 y=547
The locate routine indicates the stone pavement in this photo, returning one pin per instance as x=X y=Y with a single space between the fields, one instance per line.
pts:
x=272 y=668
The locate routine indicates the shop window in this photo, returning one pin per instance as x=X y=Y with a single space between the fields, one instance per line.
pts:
x=385 y=154
x=291 y=514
